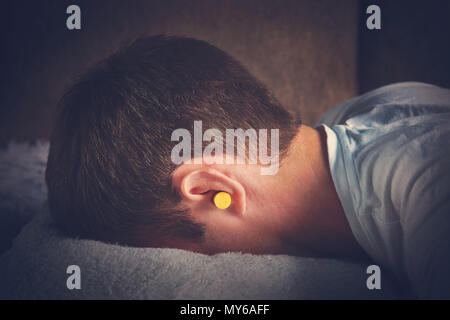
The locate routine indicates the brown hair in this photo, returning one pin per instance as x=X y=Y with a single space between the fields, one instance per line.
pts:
x=109 y=167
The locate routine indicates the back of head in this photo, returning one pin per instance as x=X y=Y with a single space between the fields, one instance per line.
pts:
x=109 y=167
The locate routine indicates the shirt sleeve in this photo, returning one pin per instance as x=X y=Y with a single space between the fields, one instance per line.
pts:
x=426 y=219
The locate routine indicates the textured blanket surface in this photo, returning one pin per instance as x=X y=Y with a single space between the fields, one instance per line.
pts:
x=35 y=267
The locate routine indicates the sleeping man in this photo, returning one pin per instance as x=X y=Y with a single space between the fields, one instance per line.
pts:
x=371 y=180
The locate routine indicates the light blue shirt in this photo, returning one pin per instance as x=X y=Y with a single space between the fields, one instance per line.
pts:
x=389 y=155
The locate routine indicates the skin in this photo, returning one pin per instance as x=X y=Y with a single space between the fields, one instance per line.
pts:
x=296 y=211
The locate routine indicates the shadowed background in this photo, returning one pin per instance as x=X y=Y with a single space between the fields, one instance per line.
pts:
x=313 y=54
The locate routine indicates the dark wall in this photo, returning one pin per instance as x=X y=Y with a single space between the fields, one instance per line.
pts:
x=304 y=50
x=413 y=44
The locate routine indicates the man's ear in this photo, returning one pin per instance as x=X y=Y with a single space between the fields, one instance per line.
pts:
x=199 y=185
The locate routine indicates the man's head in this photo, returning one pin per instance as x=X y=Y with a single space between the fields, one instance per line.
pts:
x=110 y=175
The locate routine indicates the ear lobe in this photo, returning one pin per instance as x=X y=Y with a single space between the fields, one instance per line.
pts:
x=199 y=186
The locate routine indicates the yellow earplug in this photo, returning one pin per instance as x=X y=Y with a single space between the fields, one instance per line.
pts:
x=222 y=200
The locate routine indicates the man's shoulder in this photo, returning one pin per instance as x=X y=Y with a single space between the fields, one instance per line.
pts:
x=403 y=99
x=396 y=148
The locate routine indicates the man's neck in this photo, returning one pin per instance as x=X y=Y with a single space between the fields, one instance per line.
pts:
x=317 y=220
